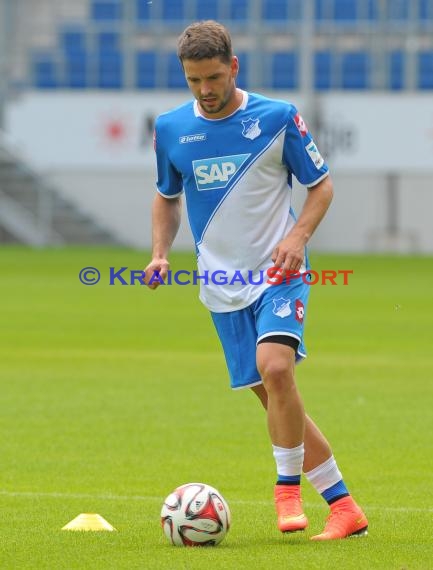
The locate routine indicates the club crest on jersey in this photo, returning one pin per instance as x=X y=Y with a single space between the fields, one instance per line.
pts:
x=214 y=173
x=251 y=129
x=282 y=307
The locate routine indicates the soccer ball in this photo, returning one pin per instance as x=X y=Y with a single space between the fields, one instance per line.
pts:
x=195 y=514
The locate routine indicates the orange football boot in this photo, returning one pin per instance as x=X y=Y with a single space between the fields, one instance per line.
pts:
x=345 y=519
x=289 y=508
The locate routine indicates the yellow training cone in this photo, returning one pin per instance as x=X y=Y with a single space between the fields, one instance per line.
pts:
x=88 y=521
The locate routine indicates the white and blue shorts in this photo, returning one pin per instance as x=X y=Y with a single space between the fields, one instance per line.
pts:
x=278 y=312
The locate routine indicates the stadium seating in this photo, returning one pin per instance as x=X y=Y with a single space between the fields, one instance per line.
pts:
x=73 y=40
x=238 y=11
x=143 y=11
x=346 y=11
x=284 y=70
x=323 y=70
x=76 y=71
x=396 y=70
x=281 y=10
x=425 y=70
x=106 y=10
x=73 y=53
x=173 y=10
x=207 y=10
x=175 y=75
x=92 y=53
x=426 y=10
x=108 y=41
x=398 y=9
x=145 y=69
x=244 y=62
x=355 y=70
x=45 y=71
x=110 y=70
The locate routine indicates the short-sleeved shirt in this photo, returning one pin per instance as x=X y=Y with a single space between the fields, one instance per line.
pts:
x=236 y=173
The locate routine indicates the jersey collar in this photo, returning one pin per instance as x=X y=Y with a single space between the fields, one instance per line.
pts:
x=241 y=107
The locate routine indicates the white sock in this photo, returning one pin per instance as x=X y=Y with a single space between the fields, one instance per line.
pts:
x=289 y=461
x=325 y=475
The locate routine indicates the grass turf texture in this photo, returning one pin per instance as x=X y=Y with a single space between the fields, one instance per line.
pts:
x=114 y=395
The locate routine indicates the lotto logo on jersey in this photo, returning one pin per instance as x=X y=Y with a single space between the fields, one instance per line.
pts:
x=214 y=173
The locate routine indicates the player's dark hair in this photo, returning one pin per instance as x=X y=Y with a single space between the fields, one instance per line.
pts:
x=205 y=40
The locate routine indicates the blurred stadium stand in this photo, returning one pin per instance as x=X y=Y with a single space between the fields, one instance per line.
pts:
x=34 y=213
x=305 y=46
x=116 y=44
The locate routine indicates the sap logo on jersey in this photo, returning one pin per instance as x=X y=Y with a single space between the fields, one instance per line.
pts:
x=214 y=173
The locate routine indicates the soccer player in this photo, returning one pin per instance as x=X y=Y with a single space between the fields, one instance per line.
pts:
x=234 y=153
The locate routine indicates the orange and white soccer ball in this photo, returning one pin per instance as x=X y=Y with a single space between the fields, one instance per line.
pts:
x=195 y=514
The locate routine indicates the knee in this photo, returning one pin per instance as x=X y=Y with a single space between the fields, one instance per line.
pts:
x=277 y=375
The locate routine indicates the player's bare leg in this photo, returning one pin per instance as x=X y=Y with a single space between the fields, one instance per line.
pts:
x=285 y=410
x=286 y=424
x=317 y=448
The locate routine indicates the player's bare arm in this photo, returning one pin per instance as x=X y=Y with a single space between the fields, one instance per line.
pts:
x=166 y=214
x=289 y=252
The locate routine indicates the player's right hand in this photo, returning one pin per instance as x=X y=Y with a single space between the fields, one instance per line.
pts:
x=156 y=272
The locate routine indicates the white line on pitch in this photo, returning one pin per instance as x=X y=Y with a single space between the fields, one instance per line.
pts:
x=109 y=497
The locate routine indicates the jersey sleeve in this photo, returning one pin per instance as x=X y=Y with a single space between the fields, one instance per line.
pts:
x=169 y=182
x=300 y=153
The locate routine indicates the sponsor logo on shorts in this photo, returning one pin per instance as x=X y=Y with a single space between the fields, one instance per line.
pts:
x=282 y=307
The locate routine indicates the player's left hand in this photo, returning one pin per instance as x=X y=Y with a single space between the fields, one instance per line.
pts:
x=289 y=254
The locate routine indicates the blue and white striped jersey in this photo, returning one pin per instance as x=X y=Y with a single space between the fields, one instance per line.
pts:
x=236 y=173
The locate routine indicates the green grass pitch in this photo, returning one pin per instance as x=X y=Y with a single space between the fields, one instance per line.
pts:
x=111 y=396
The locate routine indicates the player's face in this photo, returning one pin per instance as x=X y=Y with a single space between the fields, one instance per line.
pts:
x=212 y=83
